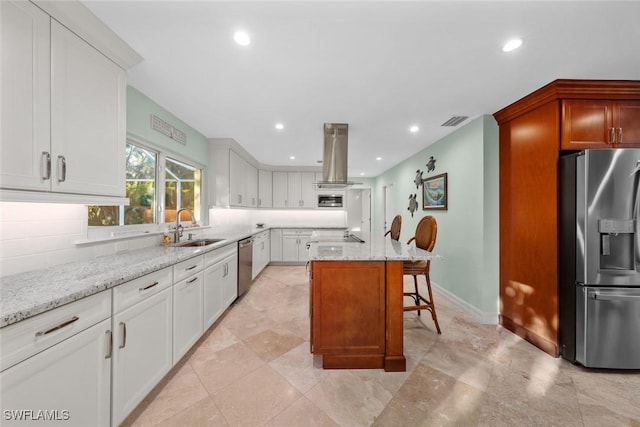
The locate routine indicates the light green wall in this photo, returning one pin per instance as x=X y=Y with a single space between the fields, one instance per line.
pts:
x=468 y=230
x=139 y=111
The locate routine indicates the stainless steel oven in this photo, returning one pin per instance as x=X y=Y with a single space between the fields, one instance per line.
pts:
x=331 y=200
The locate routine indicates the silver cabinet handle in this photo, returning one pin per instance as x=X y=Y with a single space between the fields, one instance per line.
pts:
x=259 y=201
x=62 y=169
x=613 y=297
x=253 y=201
x=148 y=287
x=190 y=268
x=56 y=327
x=124 y=334
x=45 y=165
x=612 y=135
x=109 y=344
x=619 y=135
x=192 y=280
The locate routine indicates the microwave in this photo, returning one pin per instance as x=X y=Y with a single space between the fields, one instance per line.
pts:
x=331 y=200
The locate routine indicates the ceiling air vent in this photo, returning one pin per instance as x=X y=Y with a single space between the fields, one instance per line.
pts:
x=455 y=121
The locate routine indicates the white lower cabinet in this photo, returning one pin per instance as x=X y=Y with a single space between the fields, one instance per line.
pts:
x=188 y=314
x=63 y=371
x=261 y=253
x=294 y=245
x=220 y=283
x=276 y=245
x=142 y=339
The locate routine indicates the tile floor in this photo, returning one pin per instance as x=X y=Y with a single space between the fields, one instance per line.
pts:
x=253 y=368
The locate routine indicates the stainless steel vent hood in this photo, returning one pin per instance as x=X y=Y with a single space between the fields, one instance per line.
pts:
x=334 y=160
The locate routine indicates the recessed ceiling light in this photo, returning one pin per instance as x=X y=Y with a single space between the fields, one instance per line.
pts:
x=512 y=45
x=361 y=173
x=242 y=38
x=378 y=158
x=414 y=129
x=279 y=126
x=292 y=157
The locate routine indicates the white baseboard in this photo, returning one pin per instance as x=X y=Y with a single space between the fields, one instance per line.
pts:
x=483 y=317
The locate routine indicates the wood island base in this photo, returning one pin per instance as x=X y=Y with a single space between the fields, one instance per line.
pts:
x=356 y=314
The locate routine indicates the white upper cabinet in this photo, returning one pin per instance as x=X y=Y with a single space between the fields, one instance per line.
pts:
x=293 y=190
x=251 y=188
x=243 y=182
x=63 y=108
x=25 y=88
x=265 y=189
x=88 y=118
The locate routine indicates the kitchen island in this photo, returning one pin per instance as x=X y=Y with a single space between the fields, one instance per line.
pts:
x=356 y=306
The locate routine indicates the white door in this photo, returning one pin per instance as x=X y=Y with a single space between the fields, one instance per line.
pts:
x=388 y=206
x=265 y=189
x=187 y=314
x=88 y=118
x=290 y=247
x=213 y=303
x=280 y=190
x=237 y=180
x=295 y=190
x=365 y=220
x=142 y=351
x=25 y=142
x=251 y=177
x=276 y=245
x=72 y=378
x=230 y=282
x=307 y=190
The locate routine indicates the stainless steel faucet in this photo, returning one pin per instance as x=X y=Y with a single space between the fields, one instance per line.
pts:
x=177 y=233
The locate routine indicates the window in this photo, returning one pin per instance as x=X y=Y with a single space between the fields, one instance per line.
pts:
x=181 y=186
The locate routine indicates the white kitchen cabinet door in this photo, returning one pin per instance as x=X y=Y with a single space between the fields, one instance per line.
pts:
x=142 y=351
x=230 y=282
x=25 y=90
x=307 y=190
x=88 y=118
x=213 y=303
x=280 y=190
x=290 y=243
x=251 y=178
x=188 y=317
x=276 y=245
x=265 y=189
x=71 y=380
x=295 y=189
x=237 y=195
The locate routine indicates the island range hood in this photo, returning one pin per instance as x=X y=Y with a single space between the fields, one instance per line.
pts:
x=334 y=159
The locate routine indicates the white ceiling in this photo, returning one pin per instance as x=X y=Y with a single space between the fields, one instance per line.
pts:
x=379 y=66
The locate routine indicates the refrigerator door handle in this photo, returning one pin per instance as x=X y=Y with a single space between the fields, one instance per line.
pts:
x=613 y=297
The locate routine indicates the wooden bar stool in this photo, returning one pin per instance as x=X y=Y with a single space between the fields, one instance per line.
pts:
x=396 y=225
x=425 y=238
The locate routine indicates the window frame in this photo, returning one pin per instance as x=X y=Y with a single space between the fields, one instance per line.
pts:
x=160 y=185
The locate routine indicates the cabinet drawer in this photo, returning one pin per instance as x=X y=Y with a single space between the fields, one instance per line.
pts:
x=31 y=336
x=132 y=292
x=186 y=268
x=212 y=257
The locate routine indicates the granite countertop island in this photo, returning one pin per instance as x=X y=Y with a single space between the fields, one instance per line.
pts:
x=357 y=292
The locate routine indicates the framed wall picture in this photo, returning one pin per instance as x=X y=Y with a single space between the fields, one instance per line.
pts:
x=434 y=192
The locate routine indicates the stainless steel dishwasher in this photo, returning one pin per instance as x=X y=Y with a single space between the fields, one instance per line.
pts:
x=245 y=264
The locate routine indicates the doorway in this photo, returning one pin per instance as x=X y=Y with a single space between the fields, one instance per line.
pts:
x=388 y=207
x=359 y=212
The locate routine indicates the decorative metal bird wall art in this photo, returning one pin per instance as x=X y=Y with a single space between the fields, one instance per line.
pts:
x=413 y=204
x=431 y=164
x=418 y=179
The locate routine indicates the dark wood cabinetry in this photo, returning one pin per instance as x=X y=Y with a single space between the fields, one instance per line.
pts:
x=563 y=115
x=599 y=123
x=356 y=314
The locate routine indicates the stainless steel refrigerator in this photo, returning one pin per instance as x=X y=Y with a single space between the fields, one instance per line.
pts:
x=599 y=258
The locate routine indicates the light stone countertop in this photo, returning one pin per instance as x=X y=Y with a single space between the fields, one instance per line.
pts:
x=378 y=249
x=27 y=294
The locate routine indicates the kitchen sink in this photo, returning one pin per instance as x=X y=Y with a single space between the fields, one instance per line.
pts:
x=199 y=242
